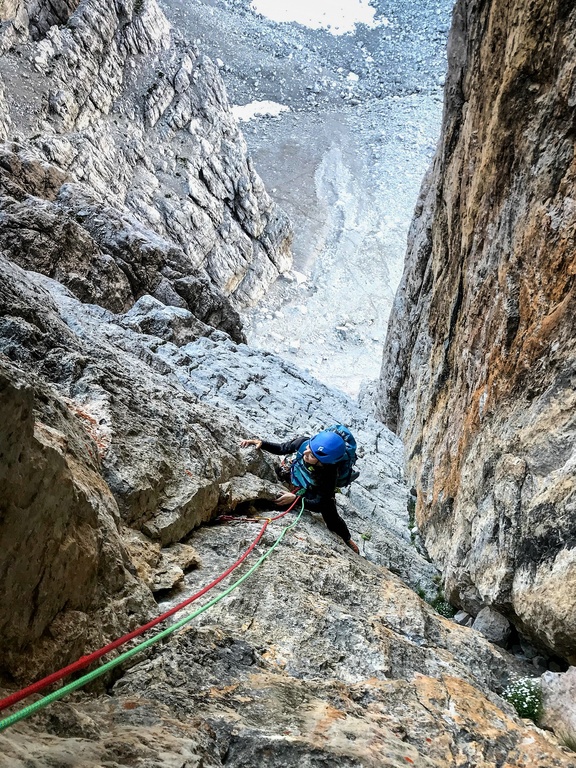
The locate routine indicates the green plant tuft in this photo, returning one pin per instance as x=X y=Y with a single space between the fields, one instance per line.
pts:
x=411 y=517
x=438 y=602
x=366 y=536
x=442 y=606
x=568 y=740
x=525 y=695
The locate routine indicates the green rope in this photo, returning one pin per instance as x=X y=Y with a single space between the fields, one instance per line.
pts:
x=61 y=692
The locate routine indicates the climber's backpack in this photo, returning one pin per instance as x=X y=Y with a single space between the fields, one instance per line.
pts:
x=302 y=476
x=346 y=471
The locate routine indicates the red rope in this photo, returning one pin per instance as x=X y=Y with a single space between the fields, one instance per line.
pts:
x=84 y=661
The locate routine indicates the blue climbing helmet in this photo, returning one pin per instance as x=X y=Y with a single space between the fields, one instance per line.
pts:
x=343 y=455
x=328 y=447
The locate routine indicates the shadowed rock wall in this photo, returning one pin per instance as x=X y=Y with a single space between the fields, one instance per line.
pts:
x=64 y=569
x=480 y=362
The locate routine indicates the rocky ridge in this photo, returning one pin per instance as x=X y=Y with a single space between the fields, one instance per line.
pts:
x=478 y=371
x=133 y=131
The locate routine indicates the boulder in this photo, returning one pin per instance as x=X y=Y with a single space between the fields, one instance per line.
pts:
x=248 y=488
x=63 y=565
x=559 y=704
x=492 y=625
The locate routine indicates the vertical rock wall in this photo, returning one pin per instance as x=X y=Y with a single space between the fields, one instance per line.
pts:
x=479 y=367
x=64 y=569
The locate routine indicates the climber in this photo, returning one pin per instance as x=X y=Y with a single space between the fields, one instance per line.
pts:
x=315 y=470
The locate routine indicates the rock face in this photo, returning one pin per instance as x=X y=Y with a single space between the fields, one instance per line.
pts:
x=479 y=368
x=143 y=430
x=125 y=177
x=322 y=656
x=125 y=146
x=125 y=390
x=559 y=703
x=63 y=565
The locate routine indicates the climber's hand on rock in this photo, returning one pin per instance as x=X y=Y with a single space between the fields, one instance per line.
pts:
x=286 y=498
x=248 y=443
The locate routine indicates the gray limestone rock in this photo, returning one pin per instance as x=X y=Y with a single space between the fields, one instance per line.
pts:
x=463 y=618
x=317 y=635
x=166 y=422
x=166 y=188
x=248 y=491
x=161 y=568
x=492 y=625
x=559 y=704
x=63 y=565
x=127 y=390
x=151 y=316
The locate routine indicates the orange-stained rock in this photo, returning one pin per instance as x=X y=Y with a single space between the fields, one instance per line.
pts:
x=479 y=370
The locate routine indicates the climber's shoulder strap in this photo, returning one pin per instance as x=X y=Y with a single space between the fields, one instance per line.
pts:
x=301 y=474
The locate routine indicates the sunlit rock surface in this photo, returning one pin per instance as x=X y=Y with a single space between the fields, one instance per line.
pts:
x=479 y=369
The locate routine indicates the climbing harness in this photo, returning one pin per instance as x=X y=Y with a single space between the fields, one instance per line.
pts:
x=85 y=660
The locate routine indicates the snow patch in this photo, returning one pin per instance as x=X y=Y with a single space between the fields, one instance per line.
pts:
x=300 y=277
x=247 y=112
x=337 y=16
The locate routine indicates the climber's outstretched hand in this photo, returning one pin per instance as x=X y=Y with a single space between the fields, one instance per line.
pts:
x=248 y=443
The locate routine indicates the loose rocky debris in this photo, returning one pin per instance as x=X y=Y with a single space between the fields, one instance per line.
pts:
x=345 y=161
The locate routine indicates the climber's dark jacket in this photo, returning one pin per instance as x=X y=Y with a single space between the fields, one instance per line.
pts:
x=321 y=496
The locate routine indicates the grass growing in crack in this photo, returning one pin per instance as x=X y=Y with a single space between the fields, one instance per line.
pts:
x=568 y=740
x=438 y=602
x=525 y=695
